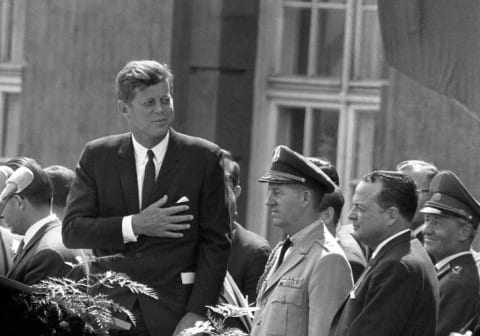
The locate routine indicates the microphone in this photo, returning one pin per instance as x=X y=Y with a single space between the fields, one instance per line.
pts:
x=17 y=182
x=5 y=172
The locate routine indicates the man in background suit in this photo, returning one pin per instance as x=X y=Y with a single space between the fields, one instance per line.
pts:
x=41 y=253
x=62 y=179
x=250 y=251
x=331 y=208
x=451 y=219
x=157 y=198
x=422 y=173
x=398 y=292
x=308 y=275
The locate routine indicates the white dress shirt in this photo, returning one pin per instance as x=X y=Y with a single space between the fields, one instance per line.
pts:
x=141 y=159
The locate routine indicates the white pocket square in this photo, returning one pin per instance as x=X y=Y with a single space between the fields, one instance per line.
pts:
x=183 y=199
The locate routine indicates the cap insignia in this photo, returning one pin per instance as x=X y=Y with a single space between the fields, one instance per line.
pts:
x=457 y=269
x=276 y=154
x=436 y=197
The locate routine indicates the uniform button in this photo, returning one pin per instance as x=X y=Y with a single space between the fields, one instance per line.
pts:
x=138 y=254
x=259 y=322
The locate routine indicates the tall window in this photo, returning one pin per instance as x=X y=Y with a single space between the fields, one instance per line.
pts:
x=320 y=71
x=11 y=64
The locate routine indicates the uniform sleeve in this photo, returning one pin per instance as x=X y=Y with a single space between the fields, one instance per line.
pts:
x=330 y=284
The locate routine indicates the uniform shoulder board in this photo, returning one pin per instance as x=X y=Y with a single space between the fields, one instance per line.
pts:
x=444 y=270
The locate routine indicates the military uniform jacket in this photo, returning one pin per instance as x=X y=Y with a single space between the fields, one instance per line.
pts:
x=459 y=294
x=301 y=296
x=396 y=295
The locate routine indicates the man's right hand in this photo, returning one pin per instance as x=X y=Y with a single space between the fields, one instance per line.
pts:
x=156 y=221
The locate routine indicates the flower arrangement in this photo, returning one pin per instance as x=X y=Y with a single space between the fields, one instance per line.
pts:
x=215 y=323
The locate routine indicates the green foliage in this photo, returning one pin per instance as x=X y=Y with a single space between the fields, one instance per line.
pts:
x=215 y=323
x=68 y=304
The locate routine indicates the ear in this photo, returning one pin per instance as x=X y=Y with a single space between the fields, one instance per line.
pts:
x=18 y=201
x=392 y=215
x=465 y=231
x=327 y=215
x=122 y=108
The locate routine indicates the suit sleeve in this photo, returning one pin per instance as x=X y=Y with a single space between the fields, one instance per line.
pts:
x=46 y=263
x=389 y=301
x=330 y=283
x=214 y=239
x=82 y=228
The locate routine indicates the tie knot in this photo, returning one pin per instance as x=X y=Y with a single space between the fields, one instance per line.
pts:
x=150 y=155
x=287 y=243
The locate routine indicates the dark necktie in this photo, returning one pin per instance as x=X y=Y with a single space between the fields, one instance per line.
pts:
x=148 y=180
x=286 y=244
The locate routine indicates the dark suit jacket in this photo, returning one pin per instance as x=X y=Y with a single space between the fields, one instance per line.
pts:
x=8 y=244
x=44 y=256
x=105 y=190
x=459 y=294
x=247 y=260
x=397 y=294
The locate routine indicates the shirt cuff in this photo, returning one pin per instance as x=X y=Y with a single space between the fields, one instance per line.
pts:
x=127 y=230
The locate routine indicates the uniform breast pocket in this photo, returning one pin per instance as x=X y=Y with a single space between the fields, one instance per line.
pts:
x=289 y=312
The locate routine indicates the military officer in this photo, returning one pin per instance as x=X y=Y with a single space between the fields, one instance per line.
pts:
x=308 y=275
x=451 y=217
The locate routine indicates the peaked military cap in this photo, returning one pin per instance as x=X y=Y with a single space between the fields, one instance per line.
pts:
x=289 y=167
x=450 y=197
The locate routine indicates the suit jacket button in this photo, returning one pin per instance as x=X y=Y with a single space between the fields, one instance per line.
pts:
x=138 y=254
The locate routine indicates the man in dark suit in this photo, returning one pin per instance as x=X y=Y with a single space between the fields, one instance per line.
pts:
x=250 y=251
x=42 y=253
x=451 y=216
x=398 y=292
x=157 y=198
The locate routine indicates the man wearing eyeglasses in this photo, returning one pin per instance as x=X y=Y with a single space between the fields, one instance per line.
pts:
x=397 y=294
x=451 y=216
x=422 y=173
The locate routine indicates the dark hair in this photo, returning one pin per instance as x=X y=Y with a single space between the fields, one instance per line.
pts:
x=40 y=190
x=231 y=168
x=335 y=200
x=398 y=190
x=327 y=167
x=62 y=179
x=139 y=75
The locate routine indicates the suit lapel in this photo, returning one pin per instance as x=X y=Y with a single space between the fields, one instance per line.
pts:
x=33 y=242
x=128 y=174
x=297 y=254
x=168 y=170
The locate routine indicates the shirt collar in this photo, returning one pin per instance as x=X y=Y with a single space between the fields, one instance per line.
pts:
x=300 y=235
x=159 y=149
x=386 y=241
x=446 y=260
x=33 y=229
